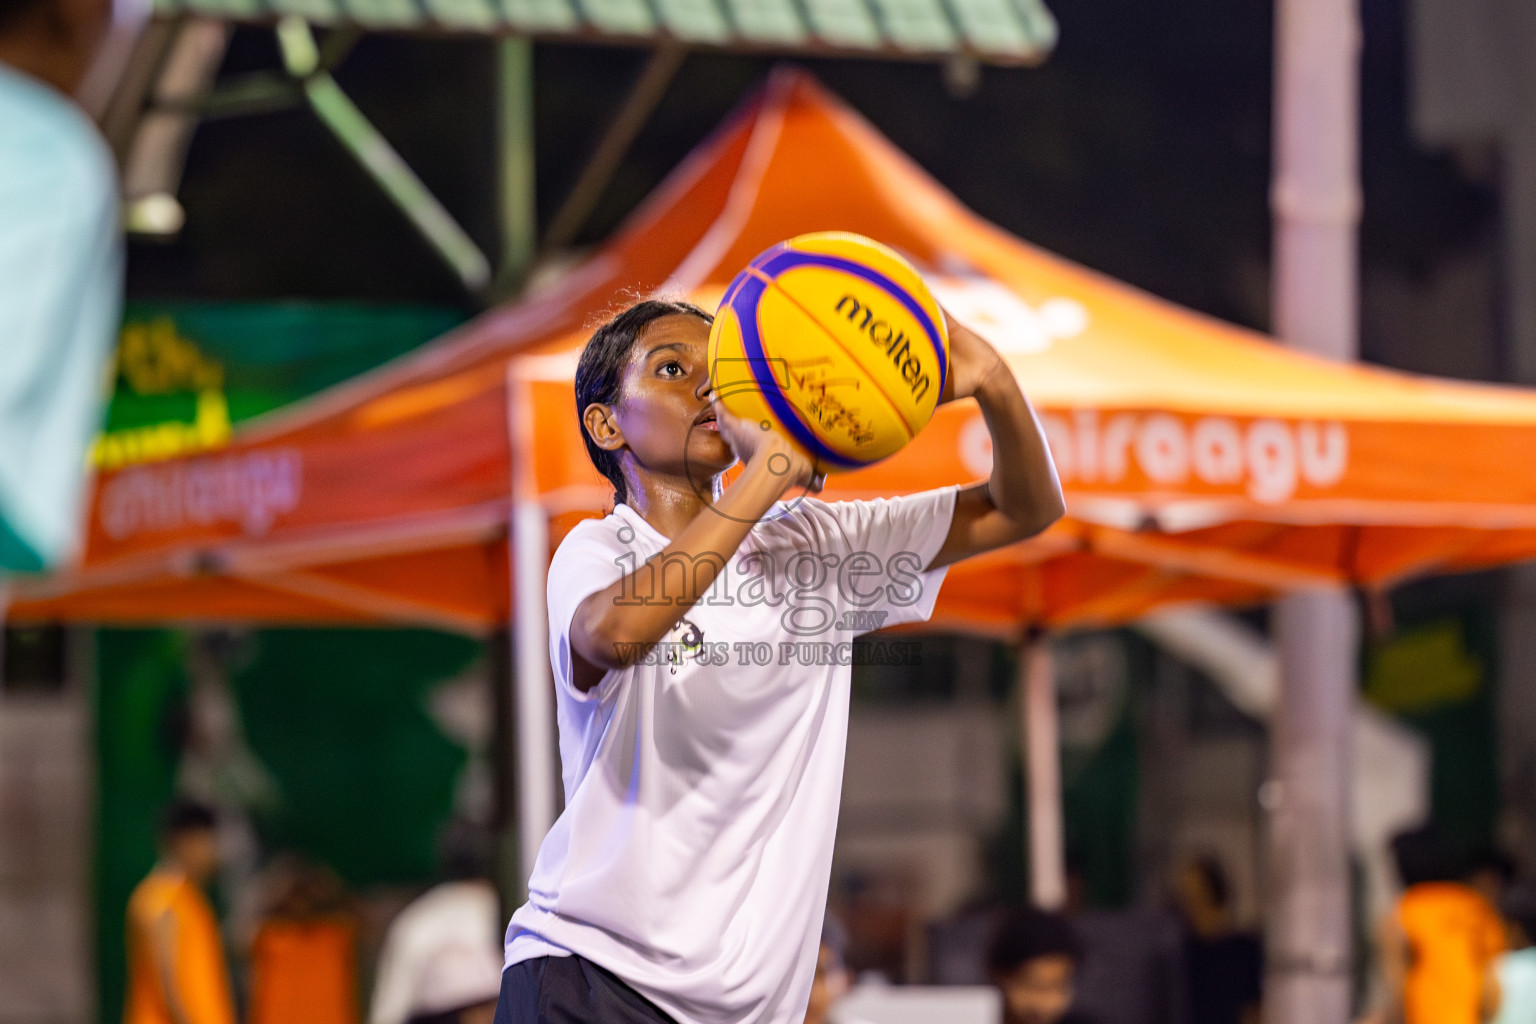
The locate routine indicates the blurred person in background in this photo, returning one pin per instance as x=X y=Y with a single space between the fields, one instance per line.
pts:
x=176 y=968
x=1440 y=941
x=1033 y=959
x=61 y=269
x=1490 y=872
x=459 y=985
x=304 y=955
x=831 y=981
x=1510 y=995
x=463 y=909
x=1223 y=966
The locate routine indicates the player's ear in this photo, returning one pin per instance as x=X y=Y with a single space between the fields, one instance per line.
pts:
x=603 y=427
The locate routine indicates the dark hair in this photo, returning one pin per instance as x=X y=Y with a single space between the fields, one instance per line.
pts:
x=1422 y=856
x=464 y=851
x=1030 y=934
x=15 y=12
x=1493 y=861
x=600 y=373
x=445 y=1017
x=186 y=816
x=1215 y=878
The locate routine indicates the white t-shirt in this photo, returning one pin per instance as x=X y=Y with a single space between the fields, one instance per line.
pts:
x=446 y=916
x=702 y=785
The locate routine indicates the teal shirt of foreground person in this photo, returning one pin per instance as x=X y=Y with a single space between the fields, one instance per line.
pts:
x=61 y=270
x=1517 y=987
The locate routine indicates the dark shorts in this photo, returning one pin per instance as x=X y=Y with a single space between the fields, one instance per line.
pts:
x=570 y=990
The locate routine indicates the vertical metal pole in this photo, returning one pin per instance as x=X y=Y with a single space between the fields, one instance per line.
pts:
x=1316 y=203
x=1042 y=776
x=1310 y=935
x=515 y=185
x=1316 y=193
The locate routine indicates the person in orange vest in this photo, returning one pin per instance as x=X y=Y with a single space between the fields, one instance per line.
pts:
x=1439 y=942
x=176 y=968
x=304 y=955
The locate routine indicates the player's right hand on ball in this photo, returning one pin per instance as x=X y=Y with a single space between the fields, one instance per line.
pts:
x=755 y=442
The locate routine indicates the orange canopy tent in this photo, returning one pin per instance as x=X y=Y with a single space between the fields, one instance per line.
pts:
x=1200 y=460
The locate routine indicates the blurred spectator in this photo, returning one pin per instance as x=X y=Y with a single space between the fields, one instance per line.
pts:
x=1439 y=943
x=831 y=981
x=60 y=274
x=957 y=947
x=1510 y=997
x=462 y=910
x=1132 y=968
x=176 y=970
x=1033 y=960
x=304 y=956
x=1223 y=967
x=459 y=985
x=1490 y=873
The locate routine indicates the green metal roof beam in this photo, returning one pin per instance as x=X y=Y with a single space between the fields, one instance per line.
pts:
x=371 y=150
x=996 y=31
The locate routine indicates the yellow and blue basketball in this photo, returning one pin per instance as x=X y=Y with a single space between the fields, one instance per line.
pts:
x=833 y=340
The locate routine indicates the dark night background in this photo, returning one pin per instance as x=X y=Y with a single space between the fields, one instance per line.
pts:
x=1141 y=148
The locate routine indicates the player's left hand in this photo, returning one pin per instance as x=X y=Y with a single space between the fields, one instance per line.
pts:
x=972 y=359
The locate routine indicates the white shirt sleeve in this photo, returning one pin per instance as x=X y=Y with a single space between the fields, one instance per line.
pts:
x=588 y=560
x=886 y=545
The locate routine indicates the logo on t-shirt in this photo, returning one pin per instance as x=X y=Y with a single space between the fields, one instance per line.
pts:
x=689 y=645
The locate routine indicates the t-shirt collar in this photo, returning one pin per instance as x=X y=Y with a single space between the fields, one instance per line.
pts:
x=636 y=520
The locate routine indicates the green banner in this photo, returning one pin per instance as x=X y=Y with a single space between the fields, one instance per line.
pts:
x=341 y=760
x=1435 y=673
x=186 y=373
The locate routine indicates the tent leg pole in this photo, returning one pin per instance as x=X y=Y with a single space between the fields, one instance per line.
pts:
x=1042 y=776
x=533 y=705
x=505 y=868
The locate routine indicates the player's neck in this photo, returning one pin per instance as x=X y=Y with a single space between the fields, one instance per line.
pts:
x=168 y=867
x=668 y=503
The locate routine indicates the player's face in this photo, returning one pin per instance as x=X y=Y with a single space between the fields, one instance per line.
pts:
x=1039 y=992
x=664 y=410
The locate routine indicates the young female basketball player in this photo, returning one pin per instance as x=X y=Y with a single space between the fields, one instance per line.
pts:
x=701 y=638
